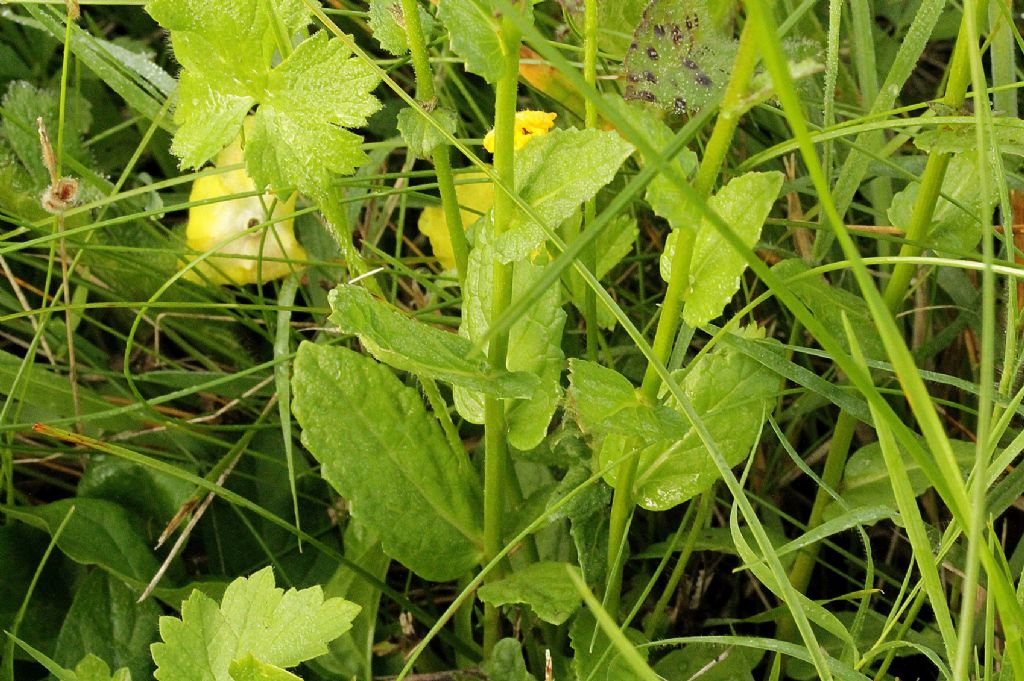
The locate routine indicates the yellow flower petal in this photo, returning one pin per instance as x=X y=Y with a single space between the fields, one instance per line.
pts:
x=528 y=124
x=213 y=223
x=475 y=199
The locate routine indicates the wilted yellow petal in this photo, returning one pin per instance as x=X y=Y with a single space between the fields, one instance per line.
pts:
x=213 y=223
x=528 y=124
x=549 y=80
x=475 y=199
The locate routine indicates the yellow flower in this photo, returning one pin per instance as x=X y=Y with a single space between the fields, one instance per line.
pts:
x=528 y=124
x=475 y=199
x=213 y=223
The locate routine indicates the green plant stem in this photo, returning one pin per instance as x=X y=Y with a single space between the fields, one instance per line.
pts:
x=590 y=208
x=496 y=463
x=441 y=155
x=934 y=174
x=976 y=535
x=450 y=205
x=671 y=309
x=893 y=295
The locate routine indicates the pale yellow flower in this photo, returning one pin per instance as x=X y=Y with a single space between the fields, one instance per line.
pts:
x=528 y=124
x=475 y=199
x=213 y=223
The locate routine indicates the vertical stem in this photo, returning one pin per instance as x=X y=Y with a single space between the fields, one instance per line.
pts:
x=441 y=155
x=973 y=14
x=934 y=171
x=495 y=428
x=55 y=176
x=671 y=309
x=590 y=208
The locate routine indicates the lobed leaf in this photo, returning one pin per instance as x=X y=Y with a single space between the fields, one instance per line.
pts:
x=255 y=619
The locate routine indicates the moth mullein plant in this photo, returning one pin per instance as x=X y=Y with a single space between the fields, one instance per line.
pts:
x=593 y=340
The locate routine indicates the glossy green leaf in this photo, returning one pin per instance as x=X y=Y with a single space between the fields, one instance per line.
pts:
x=663 y=195
x=715 y=268
x=207 y=120
x=98 y=533
x=382 y=451
x=595 y=658
x=956 y=222
x=1007 y=136
x=407 y=344
x=296 y=138
x=280 y=628
x=830 y=304
x=105 y=620
x=545 y=587
x=21 y=549
x=555 y=173
x=420 y=134
x=731 y=393
x=148 y=494
x=709 y=663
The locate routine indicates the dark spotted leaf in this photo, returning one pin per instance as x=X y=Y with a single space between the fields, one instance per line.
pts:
x=678 y=60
